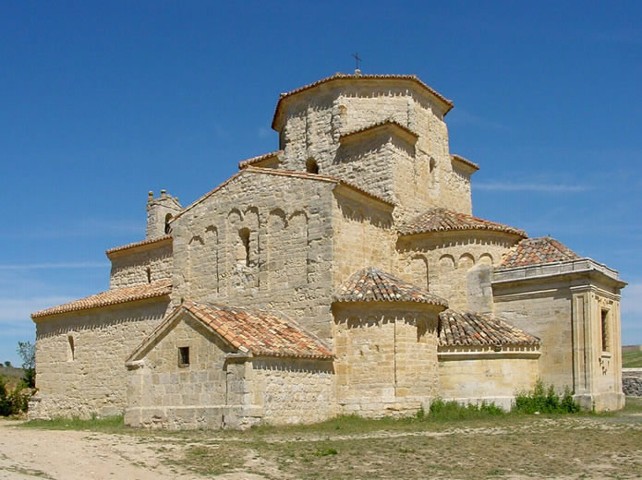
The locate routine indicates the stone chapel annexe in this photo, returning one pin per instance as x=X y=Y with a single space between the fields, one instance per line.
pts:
x=342 y=273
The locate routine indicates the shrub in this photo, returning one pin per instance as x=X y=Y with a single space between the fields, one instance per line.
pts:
x=545 y=400
x=13 y=402
x=452 y=410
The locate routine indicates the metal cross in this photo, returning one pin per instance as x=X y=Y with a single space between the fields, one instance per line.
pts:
x=357 y=59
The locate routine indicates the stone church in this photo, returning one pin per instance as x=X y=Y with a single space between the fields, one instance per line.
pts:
x=344 y=273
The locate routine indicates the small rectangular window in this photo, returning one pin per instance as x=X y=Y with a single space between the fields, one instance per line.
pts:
x=183 y=356
x=604 y=325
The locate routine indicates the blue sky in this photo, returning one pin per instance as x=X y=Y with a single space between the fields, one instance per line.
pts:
x=103 y=101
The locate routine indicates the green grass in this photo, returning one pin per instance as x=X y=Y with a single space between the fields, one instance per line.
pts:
x=632 y=359
x=106 y=425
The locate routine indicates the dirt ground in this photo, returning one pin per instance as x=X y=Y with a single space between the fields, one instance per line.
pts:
x=515 y=449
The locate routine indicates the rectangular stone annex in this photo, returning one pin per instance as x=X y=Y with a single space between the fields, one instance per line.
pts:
x=343 y=273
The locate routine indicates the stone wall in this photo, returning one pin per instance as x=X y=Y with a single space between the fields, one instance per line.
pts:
x=386 y=358
x=80 y=358
x=442 y=263
x=312 y=125
x=292 y=391
x=632 y=382
x=142 y=265
x=363 y=237
x=475 y=376
x=573 y=307
x=263 y=241
x=164 y=393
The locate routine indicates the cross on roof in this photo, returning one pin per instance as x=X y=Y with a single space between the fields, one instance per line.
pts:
x=357 y=59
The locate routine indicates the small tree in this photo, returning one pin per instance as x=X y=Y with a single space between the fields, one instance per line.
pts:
x=7 y=364
x=27 y=353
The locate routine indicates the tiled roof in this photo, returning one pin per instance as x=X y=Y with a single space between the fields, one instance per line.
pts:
x=374 y=285
x=441 y=219
x=147 y=241
x=257 y=331
x=533 y=251
x=259 y=159
x=470 y=329
x=380 y=125
x=342 y=76
x=461 y=159
x=110 y=297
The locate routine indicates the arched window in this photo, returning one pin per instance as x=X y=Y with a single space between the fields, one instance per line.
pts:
x=244 y=234
x=311 y=166
x=168 y=228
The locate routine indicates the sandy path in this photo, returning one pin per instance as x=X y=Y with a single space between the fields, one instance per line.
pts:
x=27 y=454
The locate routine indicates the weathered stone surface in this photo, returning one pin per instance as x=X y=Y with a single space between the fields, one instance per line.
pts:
x=363 y=181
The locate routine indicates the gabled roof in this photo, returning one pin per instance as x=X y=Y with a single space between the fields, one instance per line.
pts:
x=258 y=332
x=111 y=297
x=254 y=160
x=136 y=245
x=374 y=285
x=284 y=173
x=533 y=251
x=471 y=165
x=442 y=220
x=391 y=126
x=480 y=329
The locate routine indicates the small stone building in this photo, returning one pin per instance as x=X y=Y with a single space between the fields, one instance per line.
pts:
x=343 y=273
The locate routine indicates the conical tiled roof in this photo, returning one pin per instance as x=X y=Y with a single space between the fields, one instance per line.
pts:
x=441 y=219
x=374 y=285
x=533 y=251
x=480 y=329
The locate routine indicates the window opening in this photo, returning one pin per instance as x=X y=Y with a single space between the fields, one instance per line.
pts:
x=168 y=227
x=183 y=356
x=604 y=325
x=148 y=271
x=244 y=234
x=311 y=166
x=71 y=352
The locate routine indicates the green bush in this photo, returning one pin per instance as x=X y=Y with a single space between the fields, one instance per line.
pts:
x=13 y=402
x=545 y=400
x=452 y=410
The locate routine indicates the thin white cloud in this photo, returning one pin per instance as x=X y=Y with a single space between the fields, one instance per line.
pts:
x=264 y=132
x=529 y=187
x=15 y=312
x=462 y=117
x=54 y=266
x=632 y=300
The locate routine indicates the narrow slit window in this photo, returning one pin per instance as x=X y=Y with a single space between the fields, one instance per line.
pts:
x=183 y=356
x=148 y=271
x=604 y=325
x=71 y=350
x=244 y=234
x=168 y=227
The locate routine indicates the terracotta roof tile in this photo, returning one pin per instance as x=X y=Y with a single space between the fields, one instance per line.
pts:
x=147 y=241
x=260 y=158
x=110 y=297
x=380 y=125
x=374 y=285
x=260 y=332
x=342 y=76
x=469 y=329
x=533 y=251
x=441 y=219
x=463 y=160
